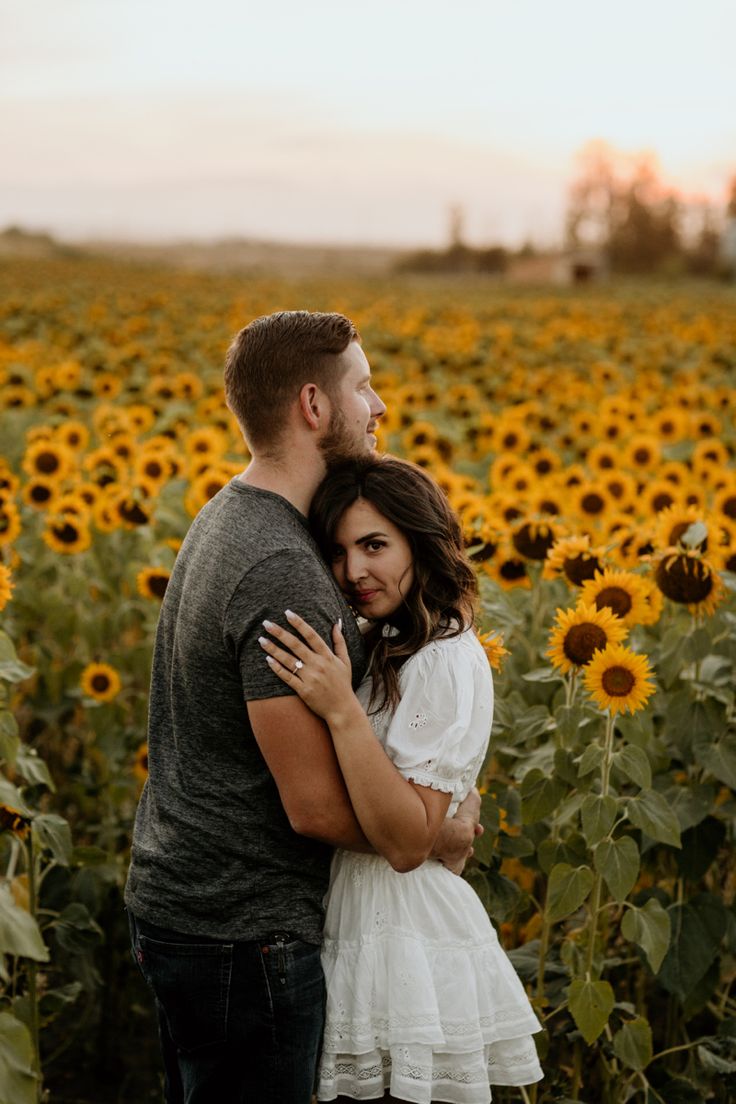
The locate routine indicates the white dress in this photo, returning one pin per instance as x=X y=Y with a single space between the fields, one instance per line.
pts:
x=421 y=998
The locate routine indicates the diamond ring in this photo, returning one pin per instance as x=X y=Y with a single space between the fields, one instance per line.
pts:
x=298 y=666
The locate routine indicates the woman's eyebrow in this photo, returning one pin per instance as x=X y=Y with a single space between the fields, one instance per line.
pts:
x=370 y=536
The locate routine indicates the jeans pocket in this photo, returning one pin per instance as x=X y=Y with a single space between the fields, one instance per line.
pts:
x=191 y=982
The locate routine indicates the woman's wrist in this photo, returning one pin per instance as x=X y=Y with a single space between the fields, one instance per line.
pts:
x=346 y=715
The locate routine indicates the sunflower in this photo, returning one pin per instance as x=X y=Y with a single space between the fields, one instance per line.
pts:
x=15 y=821
x=140 y=763
x=100 y=681
x=686 y=578
x=545 y=462
x=658 y=496
x=724 y=501
x=17 y=397
x=73 y=435
x=9 y=521
x=574 y=559
x=152 y=582
x=48 y=459
x=493 y=647
x=6 y=586
x=674 y=522
x=40 y=493
x=621 y=487
x=140 y=417
x=67 y=534
x=622 y=591
x=208 y=443
x=705 y=424
x=642 y=453
x=579 y=633
x=533 y=539
x=670 y=424
x=508 y=568
x=619 y=680
x=654 y=601
x=590 y=500
x=505 y=507
x=129 y=508
x=418 y=435
x=187 y=386
x=603 y=458
x=9 y=482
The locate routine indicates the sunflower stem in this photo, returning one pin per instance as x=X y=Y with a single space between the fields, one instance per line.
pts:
x=596 y=906
x=35 y=1027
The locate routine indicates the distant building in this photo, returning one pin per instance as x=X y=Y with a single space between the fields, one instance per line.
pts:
x=564 y=268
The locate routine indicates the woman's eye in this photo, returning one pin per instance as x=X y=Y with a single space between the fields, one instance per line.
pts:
x=336 y=554
x=376 y=546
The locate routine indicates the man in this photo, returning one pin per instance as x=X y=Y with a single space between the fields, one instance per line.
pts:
x=245 y=800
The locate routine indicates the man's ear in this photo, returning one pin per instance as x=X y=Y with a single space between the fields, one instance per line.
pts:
x=314 y=405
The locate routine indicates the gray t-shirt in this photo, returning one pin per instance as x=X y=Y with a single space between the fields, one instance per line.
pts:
x=213 y=851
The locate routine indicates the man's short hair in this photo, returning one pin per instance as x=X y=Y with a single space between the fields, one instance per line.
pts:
x=272 y=358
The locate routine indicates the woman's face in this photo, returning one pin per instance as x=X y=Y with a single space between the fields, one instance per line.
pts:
x=371 y=561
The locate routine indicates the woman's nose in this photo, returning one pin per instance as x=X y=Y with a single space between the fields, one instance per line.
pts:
x=355 y=568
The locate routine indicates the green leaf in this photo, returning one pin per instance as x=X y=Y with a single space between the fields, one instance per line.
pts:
x=591 y=758
x=714 y=1062
x=18 y=1082
x=650 y=812
x=700 y=847
x=19 y=932
x=484 y=848
x=531 y=724
x=9 y=742
x=565 y=766
x=634 y=763
x=649 y=927
x=503 y=896
x=31 y=767
x=53 y=834
x=691 y=801
x=598 y=814
x=567 y=888
x=542 y=674
x=719 y=758
x=11 y=668
x=10 y=795
x=698 y=926
x=618 y=862
x=75 y=929
x=632 y=1045
x=591 y=1003
x=540 y=795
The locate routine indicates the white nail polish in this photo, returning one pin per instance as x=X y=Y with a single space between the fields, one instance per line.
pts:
x=267 y=624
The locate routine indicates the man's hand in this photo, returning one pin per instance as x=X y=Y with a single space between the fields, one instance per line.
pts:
x=454 y=844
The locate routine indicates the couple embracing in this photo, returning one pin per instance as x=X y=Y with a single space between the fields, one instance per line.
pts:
x=293 y=894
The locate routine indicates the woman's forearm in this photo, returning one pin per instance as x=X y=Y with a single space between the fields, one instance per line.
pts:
x=391 y=813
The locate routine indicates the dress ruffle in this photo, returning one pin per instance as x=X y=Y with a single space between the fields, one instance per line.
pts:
x=422 y=999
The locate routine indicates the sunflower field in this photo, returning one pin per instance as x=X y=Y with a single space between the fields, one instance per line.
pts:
x=588 y=444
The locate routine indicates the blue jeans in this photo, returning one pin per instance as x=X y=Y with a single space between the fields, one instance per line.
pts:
x=238 y=1022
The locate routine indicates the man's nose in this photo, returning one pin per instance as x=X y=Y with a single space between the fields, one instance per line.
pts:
x=378 y=407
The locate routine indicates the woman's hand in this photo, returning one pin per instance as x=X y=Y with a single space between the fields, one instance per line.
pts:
x=321 y=678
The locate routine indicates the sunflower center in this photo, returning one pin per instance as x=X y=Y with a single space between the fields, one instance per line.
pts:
x=512 y=570
x=100 y=683
x=729 y=507
x=616 y=598
x=533 y=542
x=618 y=682
x=40 y=493
x=132 y=513
x=47 y=462
x=66 y=533
x=485 y=552
x=581 y=641
x=642 y=456
x=661 y=501
x=158 y=584
x=592 y=503
x=579 y=568
x=684 y=580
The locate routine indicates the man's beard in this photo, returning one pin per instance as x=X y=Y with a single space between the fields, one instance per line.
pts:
x=339 y=443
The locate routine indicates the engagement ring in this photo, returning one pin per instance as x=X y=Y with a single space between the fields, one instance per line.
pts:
x=298 y=666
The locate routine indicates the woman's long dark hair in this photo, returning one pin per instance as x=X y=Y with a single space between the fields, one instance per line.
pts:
x=441 y=600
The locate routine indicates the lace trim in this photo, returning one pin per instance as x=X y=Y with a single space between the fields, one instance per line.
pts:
x=378 y=1027
x=432 y=781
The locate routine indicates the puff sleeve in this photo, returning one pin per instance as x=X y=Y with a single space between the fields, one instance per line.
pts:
x=439 y=733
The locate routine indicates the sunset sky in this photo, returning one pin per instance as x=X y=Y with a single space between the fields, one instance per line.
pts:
x=346 y=122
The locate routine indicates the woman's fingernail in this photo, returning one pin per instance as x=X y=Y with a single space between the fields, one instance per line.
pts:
x=270 y=661
x=339 y=623
x=290 y=614
x=268 y=624
x=262 y=641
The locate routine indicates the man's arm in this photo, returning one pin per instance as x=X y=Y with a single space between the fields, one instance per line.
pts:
x=300 y=755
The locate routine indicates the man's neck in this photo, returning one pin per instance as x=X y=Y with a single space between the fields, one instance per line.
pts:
x=296 y=486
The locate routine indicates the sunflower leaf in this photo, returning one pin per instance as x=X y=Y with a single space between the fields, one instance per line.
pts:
x=618 y=862
x=650 y=812
x=598 y=814
x=590 y=759
x=591 y=1003
x=633 y=762
x=649 y=927
x=719 y=758
x=568 y=887
x=18 y=1082
x=632 y=1045
x=540 y=795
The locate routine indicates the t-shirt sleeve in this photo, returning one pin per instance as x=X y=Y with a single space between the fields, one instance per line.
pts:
x=290 y=579
x=439 y=733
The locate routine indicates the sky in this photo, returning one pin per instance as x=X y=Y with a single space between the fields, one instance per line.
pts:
x=345 y=122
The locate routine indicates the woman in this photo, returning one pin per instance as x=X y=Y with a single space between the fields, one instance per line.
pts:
x=421 y=998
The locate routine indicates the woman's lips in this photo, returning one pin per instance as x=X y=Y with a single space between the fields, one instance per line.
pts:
x=364 y=595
